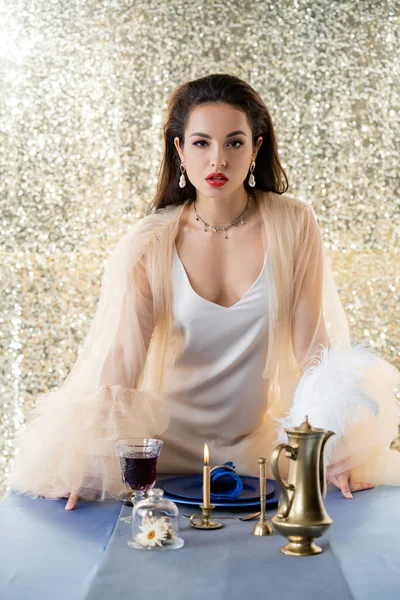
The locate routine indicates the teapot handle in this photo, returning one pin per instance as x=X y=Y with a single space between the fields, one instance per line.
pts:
x=284 y=485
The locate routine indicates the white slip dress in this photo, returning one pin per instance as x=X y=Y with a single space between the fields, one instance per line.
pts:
x=216 y=393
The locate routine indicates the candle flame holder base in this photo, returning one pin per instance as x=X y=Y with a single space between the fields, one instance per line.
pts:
x=203 y=521
x=263 y=528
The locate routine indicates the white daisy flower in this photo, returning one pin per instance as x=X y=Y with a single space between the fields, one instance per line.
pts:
x=153 y=532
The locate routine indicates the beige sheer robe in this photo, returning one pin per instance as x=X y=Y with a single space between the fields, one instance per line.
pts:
x=115 y=388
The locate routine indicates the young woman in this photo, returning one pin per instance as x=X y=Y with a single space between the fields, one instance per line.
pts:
x=211 y=309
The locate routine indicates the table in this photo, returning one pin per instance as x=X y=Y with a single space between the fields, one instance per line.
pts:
x=47 y=552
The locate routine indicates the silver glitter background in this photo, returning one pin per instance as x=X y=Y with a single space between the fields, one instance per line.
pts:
x=83 y=87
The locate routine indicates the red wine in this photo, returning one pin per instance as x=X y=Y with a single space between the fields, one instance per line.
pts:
x=139 y=473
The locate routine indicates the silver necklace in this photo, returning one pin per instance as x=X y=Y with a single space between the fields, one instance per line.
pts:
x=207 y=226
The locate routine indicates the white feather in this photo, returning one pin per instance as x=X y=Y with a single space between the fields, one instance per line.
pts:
x=333 y=393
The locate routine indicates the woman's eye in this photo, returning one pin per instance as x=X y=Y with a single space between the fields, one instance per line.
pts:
x=237 y=143
x=232 y=143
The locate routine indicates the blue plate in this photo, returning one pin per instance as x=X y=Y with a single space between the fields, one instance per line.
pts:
x=270 y=503
x=188 y=486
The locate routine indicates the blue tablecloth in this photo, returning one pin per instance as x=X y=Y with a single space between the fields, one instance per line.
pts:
x=47 y=552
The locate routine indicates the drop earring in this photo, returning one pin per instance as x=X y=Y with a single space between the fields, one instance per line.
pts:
x=182 y=179
x=252 y=181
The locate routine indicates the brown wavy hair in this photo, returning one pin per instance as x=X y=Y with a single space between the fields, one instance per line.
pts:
x=212 y=89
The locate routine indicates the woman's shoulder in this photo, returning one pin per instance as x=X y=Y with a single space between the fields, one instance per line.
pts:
x=285 y=207
x=152 y=223
x=135 y=241
x=158 y=218
x=290 y=202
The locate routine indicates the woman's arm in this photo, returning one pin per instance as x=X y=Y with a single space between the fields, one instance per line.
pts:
x=308 y=326
x=125 y=360
x=310 y=335
x=68 y=446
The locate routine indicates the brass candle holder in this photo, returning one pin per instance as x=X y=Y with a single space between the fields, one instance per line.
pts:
x=203 y=521
x=263 y=527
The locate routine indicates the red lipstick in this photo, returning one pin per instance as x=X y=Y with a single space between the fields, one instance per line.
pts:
x=216 y=179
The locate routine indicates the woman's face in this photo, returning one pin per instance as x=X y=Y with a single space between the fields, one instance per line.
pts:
x=218 y=139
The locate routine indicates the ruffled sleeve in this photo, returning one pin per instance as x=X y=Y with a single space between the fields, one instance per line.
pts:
x=69 y=441
x=347 y=389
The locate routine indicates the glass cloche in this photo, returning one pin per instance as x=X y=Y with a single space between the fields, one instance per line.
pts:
x=155 y=523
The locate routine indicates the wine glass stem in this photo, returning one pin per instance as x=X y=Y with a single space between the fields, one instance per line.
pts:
x=137 y=496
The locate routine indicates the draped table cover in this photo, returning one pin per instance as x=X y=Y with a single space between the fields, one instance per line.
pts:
x=47 y=552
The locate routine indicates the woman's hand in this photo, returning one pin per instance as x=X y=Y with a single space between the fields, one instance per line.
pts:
x=344 y=482
x=72 y=498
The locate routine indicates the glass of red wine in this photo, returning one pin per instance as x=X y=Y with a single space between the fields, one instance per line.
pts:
x=138 y=458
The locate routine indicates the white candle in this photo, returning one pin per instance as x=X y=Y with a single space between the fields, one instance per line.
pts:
x=206 y=478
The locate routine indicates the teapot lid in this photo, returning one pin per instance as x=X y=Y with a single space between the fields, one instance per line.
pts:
x=305 y=427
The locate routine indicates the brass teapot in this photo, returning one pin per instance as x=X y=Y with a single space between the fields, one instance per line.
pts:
x=301 y=516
